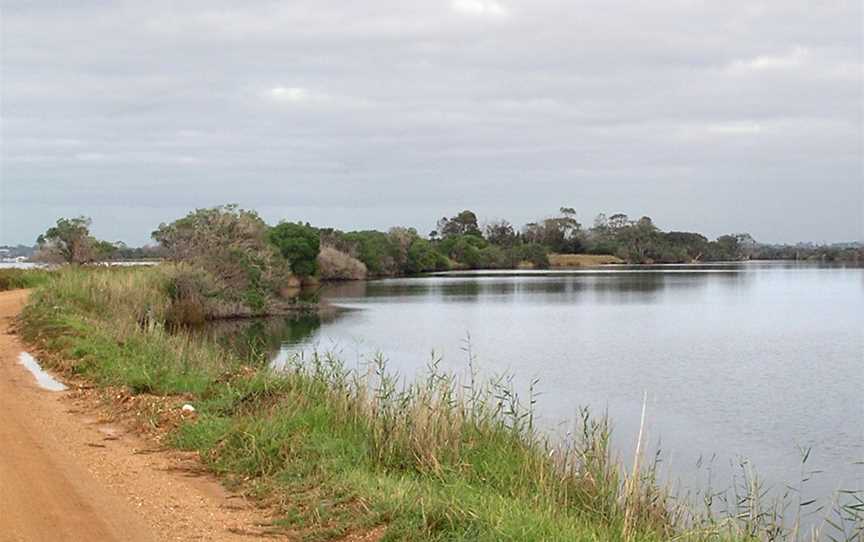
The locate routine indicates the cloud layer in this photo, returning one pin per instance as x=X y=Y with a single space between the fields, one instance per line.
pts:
x=712 y=116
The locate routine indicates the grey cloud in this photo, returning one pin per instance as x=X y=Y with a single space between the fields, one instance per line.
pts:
x=720 y=116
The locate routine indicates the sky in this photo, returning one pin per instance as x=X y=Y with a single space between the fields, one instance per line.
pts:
x=718 y=117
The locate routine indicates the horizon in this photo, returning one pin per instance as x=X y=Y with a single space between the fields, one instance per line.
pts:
x=740 y=117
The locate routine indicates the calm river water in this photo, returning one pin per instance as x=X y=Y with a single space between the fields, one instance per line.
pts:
x=738 y=361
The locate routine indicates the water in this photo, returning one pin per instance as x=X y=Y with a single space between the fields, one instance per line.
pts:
x=43 y=379
x=738 y=361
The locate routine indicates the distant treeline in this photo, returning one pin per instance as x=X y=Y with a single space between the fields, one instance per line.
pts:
x=232 y=256
x=460 y=242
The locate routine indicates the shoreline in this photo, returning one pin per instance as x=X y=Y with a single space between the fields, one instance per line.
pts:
x=394 y=456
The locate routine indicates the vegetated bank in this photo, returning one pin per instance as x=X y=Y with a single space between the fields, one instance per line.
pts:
x=14 y=279
x=337 y=452
x=292 y=253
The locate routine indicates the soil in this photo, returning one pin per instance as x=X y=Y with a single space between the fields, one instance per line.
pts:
x=69 y=472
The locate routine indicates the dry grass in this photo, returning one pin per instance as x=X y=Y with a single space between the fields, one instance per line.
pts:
x=334 y=264
x=566 y=261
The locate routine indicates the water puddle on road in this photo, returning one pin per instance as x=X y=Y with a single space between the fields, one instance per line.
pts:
x=44 y=380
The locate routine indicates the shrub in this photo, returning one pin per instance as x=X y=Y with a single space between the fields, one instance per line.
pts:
x=192 y=293
x=423 y=257
x=231 y=244
x=299 y=244
x=536 y=255
x=333 y=264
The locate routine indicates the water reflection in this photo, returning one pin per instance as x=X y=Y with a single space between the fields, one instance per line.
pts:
x=564 y=288
x=260 y=340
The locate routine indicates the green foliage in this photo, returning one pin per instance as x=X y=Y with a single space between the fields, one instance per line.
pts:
x=69 y=241
x=299 y=244
x=422 y=257
x=378 y=251
x=533 y=253
x=501 y=233
x=231 y=245
x=464 y=223
x=561 y=234
x=464 y=249
x=640 y=241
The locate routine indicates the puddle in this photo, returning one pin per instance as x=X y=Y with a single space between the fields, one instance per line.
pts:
x=44 y=380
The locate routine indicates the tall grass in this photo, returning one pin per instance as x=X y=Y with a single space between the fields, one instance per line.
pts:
x=337 y=451
x=13 y=279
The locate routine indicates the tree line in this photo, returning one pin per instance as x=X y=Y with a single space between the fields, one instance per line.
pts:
x=230 y=235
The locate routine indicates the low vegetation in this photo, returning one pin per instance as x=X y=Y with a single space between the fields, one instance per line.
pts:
x=338 y=452
x=334 y=264
x=565 y=261
x=13 y=279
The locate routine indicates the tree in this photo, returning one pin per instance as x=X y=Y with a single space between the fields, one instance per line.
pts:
x=501 y=233
x=401 y=240
x=739 y=246
x=105 y=250
x=638 y=241
x=68 y=241
x=618 y=221
x=561 y=234
x=465 y=223
x=691 y=246
x=299 y=244
x=374 y=248
x=423 y=257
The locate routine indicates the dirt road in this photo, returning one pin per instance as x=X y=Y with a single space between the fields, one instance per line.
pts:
x=66 y=474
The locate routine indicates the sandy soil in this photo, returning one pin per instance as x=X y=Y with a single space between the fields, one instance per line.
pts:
x=68 y=474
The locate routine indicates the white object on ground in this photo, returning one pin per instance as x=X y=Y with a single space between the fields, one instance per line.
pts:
x=44 y=380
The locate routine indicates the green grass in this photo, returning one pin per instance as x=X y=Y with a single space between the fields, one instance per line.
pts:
x=14 y=279
x=336 y=452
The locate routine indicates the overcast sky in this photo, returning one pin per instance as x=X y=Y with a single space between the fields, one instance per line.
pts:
x=708 y=116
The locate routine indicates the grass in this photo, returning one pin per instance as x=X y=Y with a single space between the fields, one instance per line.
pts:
x=14 y=279
x=560 y=261
x=334 y=451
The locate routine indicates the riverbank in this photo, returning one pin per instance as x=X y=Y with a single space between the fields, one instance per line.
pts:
x=13 y=279
x=336 y=453
x=570 y=261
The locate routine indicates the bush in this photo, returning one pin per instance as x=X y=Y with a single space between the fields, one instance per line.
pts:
x=231 y=244
x=299 y=244
x=192 y=294
x=536 y=255
x=333 y=264
x=374 y=248
x=423 y=257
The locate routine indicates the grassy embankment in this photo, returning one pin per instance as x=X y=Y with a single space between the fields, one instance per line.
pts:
x=336 y=452
x=566 y=261
x=13 y=279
